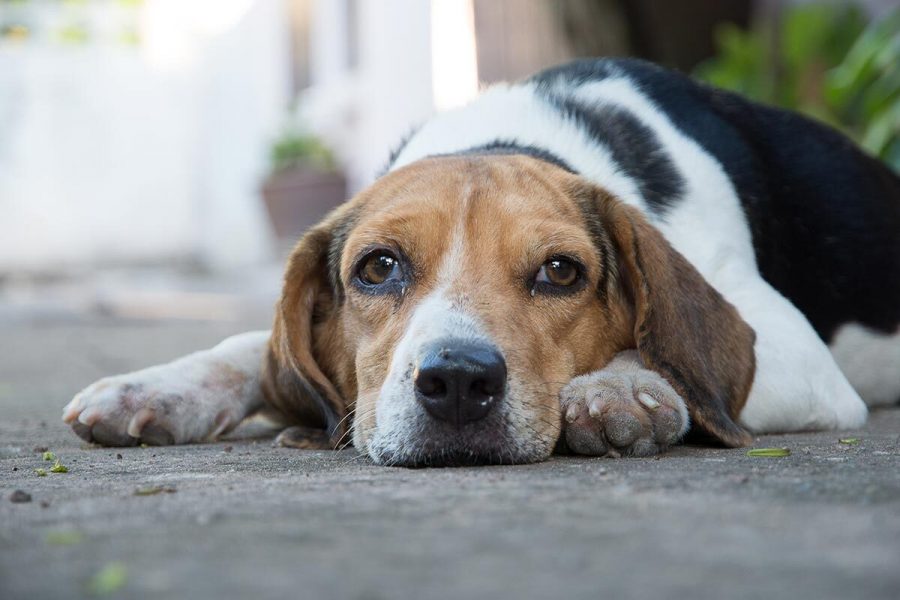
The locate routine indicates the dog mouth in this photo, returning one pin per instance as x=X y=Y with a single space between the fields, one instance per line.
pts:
x=453 y=459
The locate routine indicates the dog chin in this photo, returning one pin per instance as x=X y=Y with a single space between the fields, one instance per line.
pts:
x=414 y=458
x=454 y=449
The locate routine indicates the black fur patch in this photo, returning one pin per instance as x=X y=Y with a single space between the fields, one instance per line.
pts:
x=511 y=147
x=634 y=148
x=824 y=216
x=392 y=157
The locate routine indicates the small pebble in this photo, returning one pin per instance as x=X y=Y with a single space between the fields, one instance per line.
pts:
x=228 y=448
x=15 y=468
x=207 y=518
x=39 y=449
x=118 y=457
x=45 y=504
x=19 y=497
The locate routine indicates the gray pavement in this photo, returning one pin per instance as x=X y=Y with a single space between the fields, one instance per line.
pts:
x=246 y=520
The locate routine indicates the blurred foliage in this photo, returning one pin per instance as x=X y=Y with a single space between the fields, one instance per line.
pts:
x=294 y=149
x=74 y=33
x=824 y=60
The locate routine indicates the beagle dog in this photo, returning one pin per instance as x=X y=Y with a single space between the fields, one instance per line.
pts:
x=599 y=259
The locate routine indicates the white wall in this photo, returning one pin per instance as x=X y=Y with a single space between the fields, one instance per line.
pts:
x=117 y=154
x=366 y=110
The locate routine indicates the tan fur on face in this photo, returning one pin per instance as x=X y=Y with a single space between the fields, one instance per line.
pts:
x=477 y=229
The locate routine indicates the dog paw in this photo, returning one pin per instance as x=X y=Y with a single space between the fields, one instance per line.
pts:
x=627 y=411
x=304 y=438
x=132 y=409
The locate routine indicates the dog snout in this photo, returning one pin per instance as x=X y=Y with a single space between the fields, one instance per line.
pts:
x=459 y=383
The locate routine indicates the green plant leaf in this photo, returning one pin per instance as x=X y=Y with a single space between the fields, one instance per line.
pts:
x=296 y=149
x=828 y=63
x=111 y=578
x=769 y=452
x=64 y=538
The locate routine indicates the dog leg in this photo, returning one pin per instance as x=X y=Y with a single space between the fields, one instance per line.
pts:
x=622 y=410
x=798 y=386
x=871 y=361
x=195 y=398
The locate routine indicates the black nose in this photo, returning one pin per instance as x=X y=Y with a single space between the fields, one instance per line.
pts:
x=460 y=383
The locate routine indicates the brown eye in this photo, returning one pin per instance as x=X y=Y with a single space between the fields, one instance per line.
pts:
x=559 y=272
x=378 y=268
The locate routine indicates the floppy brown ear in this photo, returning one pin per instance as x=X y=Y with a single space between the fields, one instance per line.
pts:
x=684 y=329
x=305 y=355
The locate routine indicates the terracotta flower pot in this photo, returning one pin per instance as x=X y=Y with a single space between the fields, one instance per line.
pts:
x=297 y=198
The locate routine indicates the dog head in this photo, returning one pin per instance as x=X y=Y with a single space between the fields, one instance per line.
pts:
x=442 y=310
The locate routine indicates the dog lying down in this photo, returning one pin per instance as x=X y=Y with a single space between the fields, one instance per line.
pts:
x=598 y=259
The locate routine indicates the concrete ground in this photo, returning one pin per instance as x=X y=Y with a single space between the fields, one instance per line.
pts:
x=241 y=519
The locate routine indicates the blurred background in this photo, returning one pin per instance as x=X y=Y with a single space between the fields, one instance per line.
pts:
x=158 y=157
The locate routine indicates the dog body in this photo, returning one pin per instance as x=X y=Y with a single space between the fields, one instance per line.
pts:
x=773 y=210
x=600 y=254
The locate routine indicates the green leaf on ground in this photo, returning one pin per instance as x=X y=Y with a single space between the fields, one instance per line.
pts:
x=111 y=578
x=849 y=441
x=48 y=455
x=769 y=452
x=58 y=468
x=64 y=538
x=41 y=472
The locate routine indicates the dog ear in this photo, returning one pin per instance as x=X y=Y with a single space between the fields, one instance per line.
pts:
x=304 y=355
x=684 y=329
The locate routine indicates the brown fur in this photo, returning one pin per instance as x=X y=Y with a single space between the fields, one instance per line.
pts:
x=332 y=345
x=684 y=329
x=302 y=362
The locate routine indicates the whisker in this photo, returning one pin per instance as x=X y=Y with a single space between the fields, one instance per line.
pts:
x=352 y=428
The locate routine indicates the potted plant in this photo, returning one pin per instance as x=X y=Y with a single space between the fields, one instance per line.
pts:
x=304 y=183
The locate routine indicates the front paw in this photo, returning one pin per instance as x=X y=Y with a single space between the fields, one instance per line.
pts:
x=629 y=412
x=132 y=409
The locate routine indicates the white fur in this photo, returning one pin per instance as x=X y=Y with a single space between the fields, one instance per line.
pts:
x=871 y=361
x=398 y=415
x=204 y=412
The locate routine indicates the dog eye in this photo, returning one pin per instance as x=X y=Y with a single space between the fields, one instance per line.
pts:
x=378 y=268
x=558 y=272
